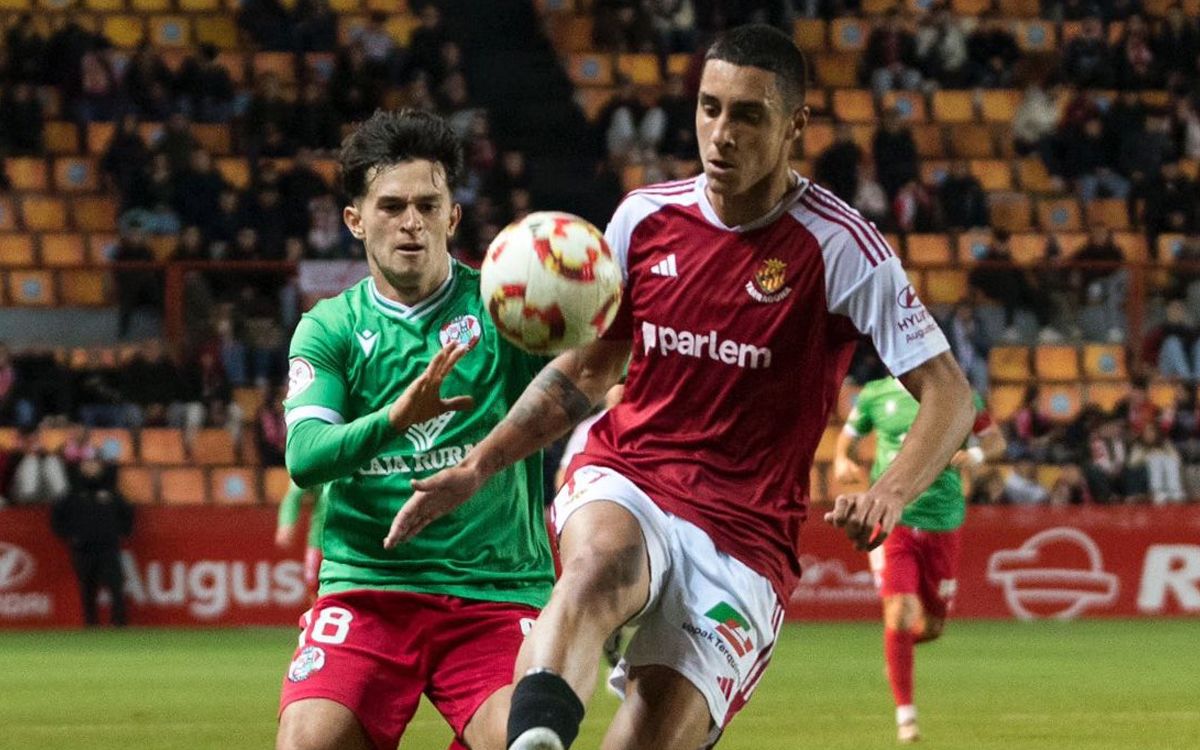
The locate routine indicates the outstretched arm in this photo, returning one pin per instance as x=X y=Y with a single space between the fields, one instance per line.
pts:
x=845 y=457
x=561 y=395
x=942 y=424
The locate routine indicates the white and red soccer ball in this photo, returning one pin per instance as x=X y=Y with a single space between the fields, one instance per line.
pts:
x=550 y=282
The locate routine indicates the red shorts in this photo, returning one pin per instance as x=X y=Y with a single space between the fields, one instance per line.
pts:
x=925 y=563
x=377 y=652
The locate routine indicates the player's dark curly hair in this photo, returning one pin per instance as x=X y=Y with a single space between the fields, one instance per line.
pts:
x=392 y=137
x=766 y=47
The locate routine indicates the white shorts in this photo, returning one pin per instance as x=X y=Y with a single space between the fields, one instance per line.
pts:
x=709 y=617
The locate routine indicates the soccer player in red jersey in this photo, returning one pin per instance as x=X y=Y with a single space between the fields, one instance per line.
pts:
x=746 y=291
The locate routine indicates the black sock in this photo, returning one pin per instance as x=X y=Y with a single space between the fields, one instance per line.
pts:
x=543 y=699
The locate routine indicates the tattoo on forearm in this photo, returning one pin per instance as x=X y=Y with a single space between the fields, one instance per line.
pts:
x=535 y=411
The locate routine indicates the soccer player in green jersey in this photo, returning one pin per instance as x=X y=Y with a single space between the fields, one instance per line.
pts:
x=445 y=615
x=285 y=530
x=916 y=568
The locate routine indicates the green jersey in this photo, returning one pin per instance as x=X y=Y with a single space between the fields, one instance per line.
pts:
x=289 y=511
x=351 y=357
x=887 y=408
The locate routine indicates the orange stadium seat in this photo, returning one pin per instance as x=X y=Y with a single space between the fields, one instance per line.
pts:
x=280 y=64
x=930 y=140
x=250 y=400
x=909 y=104
x=680 y=63
x=183 y=486
x=1111 y=212
x=101 y=247
x=171 y=31
x=276 y=483
x=137 y=484
x=236 y=486
x=99 y=135
x=95 y=214
x=878 y=7
x=1035 y=35
x=972 y=245
x=817 y=137
x=17 y=250
x=1004 y=400
x=972 y=141
x=973 y=8
x=235 y=170
x=1104 y=362
x=1059 y=363
x=1048 y=475
x=53 y=438
x=400 y=27
x=114 y=445
x=202 y=6
x=63 y=250
x=1169 y=246
x=1010 y=211
x=810 y=34
x=571 y=33
x=62 y=137
x=44 y=213
x=928 y=250
x=32 y=288
x=1020 y=8
x=215 y=139
x=10 y=437
x=641 y=68
x=150 y=6
x=387 y=6
x=933 y=171
x=953 y=106
x=854 y=105
x=162 y=445
x=1164 y=394
x=849 y=34
x=8 y=215
x=945 y=287
x=1028 y=249
x=83 y=287
x=590 y=69
x=993 y=174
x=124 y=30
x=1009 y=363
x=1061 y=402
x=1133 y=246
x=213 y=447
x=837 y=69
x=999 y=105
x=218 y=30
x=27 y=173
x=1059 y=215
x=1033 y=175
x=74 y=174
x=1107 y=395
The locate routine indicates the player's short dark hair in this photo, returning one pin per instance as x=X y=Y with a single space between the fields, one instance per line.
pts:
x=393 y=137
x=766 y=47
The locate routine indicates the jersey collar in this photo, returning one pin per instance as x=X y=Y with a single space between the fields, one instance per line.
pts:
x=789 y=198
x=420 y=310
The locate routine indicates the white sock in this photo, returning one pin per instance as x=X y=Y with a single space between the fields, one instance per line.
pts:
x=905 y=714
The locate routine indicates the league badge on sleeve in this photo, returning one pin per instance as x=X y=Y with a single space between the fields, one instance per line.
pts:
x=310 y=659
x=300 y=377
x=464 y=330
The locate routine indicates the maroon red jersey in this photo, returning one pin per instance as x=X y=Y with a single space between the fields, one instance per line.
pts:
x=741 y=339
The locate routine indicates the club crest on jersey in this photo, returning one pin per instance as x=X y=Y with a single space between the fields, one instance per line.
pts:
x=767 y=284
x=463 y=330
x=310 y=659
x=300 y=377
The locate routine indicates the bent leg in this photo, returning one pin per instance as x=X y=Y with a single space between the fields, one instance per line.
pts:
x=663 y=710
x=320 y=724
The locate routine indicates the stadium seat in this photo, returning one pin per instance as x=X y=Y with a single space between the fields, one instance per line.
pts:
x=934 y=171
x=101 y=247
x=137 y=484
x=641 y=68
x=570 y=33
x=837 y=69
x=114 y=445
x=953 y=106
x=204 y=6
x=218 y=30
x=170 y=31
x=62 y=137
x=213 y=138
x=1004 y=400
x=1111 y=212
x=162 y=445
x=909 y=104
x=83 y=287
x=993 y=174
x=878 y=7
x=1059 y=215
x=27 y=173
x=1169 y=246
x=1057 y=363
x=400 y=27
x=213 y=446
x=1035 y=35
x=235 y=486
x=124 y=31
x=928 y=250
x=972 y=245
x=1107 y=395
x=150 y=6
x=44 y=213
x=344 y=7
x=183 y=486
x=817 y=137
x=590 y=69
x=62 y=250
x=972 y=141
x=1163 y=394
x=1010 y=211
x=1133 y=246
x=849 y=34
x=1033 y=176
x=8 y=215
x=1020 y=8
x=235 y=170
x=17 y=250
x=810 y=34
x=99 y=135
x=75 y=175
x=854 y=105
x=10 y=438
x=999 y=105
x=1048 y=475
x=53 y=438
x=32 y=288
x=1060 y=402
x=930 y=140
x=1009 y=363
x=276 y=483
x=250 y=400
x=945 y=287
x=1028 y=249
x=95 y=214
x=279 y=64
x=1104 y=362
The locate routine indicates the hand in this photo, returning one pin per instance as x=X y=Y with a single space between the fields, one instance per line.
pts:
x=868 y=517
x=434 y=498
x=846 y=471
x=284 y=535
x=422 y=399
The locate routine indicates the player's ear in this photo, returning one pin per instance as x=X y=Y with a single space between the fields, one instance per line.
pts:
x=799 y=120
x=455 y=219
x=353 y=218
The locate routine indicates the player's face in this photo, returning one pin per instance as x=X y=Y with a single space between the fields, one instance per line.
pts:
x=743 y=126
x=406 y=220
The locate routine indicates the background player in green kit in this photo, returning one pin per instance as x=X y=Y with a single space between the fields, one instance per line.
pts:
x=446 y=614
x=916 y=567
x=285 y=530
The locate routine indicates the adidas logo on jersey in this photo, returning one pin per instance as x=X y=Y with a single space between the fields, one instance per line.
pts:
x=703 y=345
x=665 y=267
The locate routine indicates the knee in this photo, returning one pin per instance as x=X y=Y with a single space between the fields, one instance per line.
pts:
x=902 y=612
x=300 y=735
x=933 y=629
x=602 y=575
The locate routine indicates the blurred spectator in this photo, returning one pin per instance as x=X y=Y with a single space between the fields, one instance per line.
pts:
x=198 y=190
x=1021 y=486
x=315 y=124
x=890 y=61
x=268 y=23
x=895 y=153
x=425 y=44
x=993 y=50
x=354 y=93
x=270 y=432
x=679 y=137
x=1142 y=154
x=1177 y=42
x=942 y=47
x=1109 y=480
x=838 y=165
x=1170 y=204
x=78 y=446
x=26 y=51
x=8 y=387
x=148 y=83
x=961 y=199
x=21 y=121
x=191 y=245
x=631 y=130
x=177 y=142
x=969 y=345
x=268 y=108
x=1001 y=281
x=270 y=222
x=379 y=49
x=511 y=175
x=43 y=388
x=456 y=105
x=205 y=88
x=1087 y=60
x=135 y=286
x=1104 y=281
x=1086 y=162
x=1136 y=60
x=150 y=384
x=622 y=26
x=1186 y=126
x=97 y=87
x=126 y=161
x=315 y=26
x=870 y=199
x=674 y=24
x=40 y=477
x=1035 y=121
x=914 y=208
x=1136 y=410
x=221 y=234
x=1162 y=463
x=1175 y=345
x=328 y=236
x=92 y=520
x=1030 y=430
x=1070 y=488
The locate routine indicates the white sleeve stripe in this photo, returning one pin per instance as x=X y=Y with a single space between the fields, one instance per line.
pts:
x=863 y=247
x=322 y=413
x=833 y=203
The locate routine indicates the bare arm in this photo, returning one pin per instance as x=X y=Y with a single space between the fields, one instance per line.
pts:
x=561 y=395
x=845 y=457
x=943 y=421
x=992 y=446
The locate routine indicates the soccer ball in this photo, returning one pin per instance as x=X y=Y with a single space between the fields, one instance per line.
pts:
x=550 y=282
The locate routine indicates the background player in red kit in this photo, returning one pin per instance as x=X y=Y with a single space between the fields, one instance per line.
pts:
x=747 y=288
